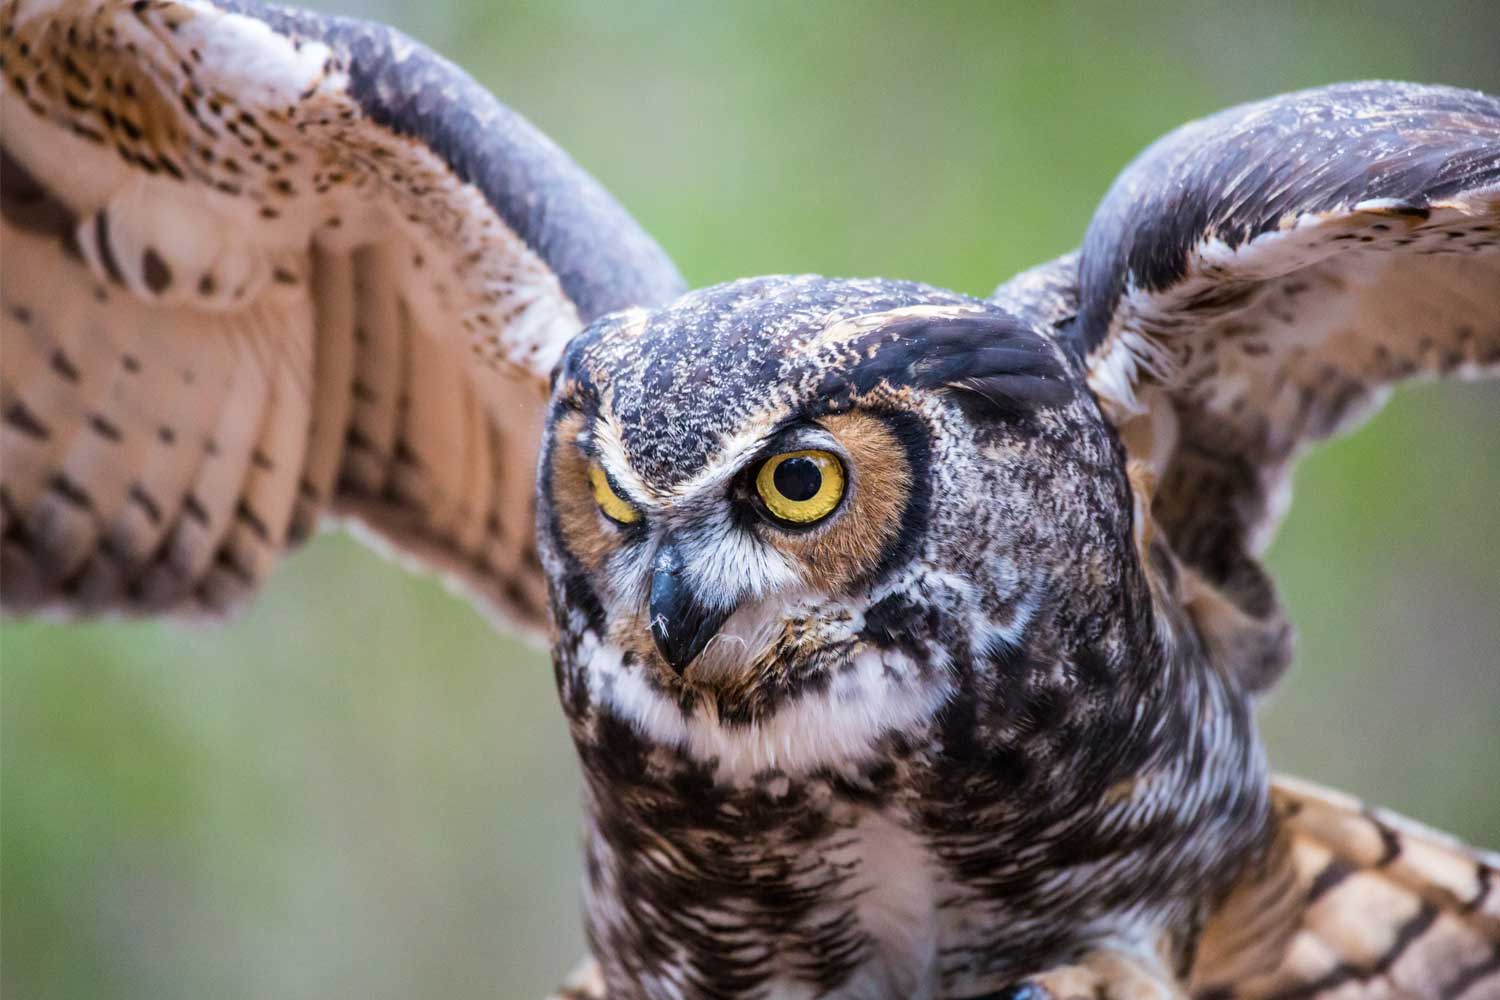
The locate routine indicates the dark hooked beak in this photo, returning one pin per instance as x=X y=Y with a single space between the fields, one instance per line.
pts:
x=679 y=624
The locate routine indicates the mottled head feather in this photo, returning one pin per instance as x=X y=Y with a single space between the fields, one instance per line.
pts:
x=778 y=348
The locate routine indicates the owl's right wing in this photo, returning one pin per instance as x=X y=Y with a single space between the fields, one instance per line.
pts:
x=260 y=267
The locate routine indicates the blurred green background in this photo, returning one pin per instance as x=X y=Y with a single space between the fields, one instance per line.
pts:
x=359 y=790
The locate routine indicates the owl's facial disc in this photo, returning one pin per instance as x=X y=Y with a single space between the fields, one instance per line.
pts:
x=731 y=483
x=708 y=566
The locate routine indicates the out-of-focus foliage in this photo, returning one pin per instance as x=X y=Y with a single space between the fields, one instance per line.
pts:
x=358 y=789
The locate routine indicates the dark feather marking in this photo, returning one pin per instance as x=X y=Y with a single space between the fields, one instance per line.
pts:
x=10 y=514
x=1473 y=974
x=71 y=492
x=64 y=366
x=227 y=561
x=1002 y=367
x=106 y=251
x=27 y=204
x=1390 y=843
x=194 y=509
x=247 y=516
x=515 y=593
x=1410 y=933
x=357 y=441
x=913 y=438
x=104 y=427
x=23 y=420
x=891 y=623
x=154 y=270
x=1484 y=876
x=1332 y=875
x=145 y=502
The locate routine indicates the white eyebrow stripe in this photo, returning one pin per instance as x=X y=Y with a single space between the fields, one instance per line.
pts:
x=609 y=450
x=609 y=446
x=734 y=452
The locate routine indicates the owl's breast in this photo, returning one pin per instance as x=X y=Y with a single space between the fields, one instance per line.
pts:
x=781 y=888
x=896 y=830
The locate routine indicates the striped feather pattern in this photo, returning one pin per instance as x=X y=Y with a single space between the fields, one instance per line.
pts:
x=1356 y=903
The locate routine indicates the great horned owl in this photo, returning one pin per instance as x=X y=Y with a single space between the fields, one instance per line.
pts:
x=909 y=640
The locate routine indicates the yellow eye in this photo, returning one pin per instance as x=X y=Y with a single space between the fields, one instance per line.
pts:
x=800 y=487
x=616 y=509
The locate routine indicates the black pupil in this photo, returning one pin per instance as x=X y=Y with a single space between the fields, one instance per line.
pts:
x=798 y=479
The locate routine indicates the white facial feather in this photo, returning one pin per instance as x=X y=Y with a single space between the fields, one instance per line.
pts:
x=839 y=726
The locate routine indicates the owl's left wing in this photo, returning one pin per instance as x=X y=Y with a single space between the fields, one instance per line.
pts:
x=262 y=266
x=1257 y=281
x=1354 y=902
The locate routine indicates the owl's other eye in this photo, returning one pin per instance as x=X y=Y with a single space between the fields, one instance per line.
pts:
x=799 y=488
x=615 y=507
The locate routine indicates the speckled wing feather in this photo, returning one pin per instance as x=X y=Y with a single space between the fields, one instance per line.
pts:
x=1355 y=903
x=260 y=266
x=1256 y=281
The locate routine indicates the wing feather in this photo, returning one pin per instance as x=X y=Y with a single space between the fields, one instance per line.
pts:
x=1257 y=281
x=262 y=267
x=1355 y=902
x=333 y=361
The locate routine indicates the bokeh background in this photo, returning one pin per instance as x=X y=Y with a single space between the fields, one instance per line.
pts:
x=359 y=790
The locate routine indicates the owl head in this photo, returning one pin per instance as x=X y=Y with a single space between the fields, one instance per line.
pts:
x=793 y=484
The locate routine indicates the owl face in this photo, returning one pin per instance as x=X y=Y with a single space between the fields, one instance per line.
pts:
x=781 y=486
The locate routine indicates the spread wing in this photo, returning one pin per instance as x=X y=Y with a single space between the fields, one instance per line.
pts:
x=1258 y=280
x=1355 y=902
x=260 y=267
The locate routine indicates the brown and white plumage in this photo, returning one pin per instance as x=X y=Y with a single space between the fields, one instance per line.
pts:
x=1348 y=901
x=982 y=727
x=1356 y=901
x=1258 y=281
x=1253 y=283
x=265 y=266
